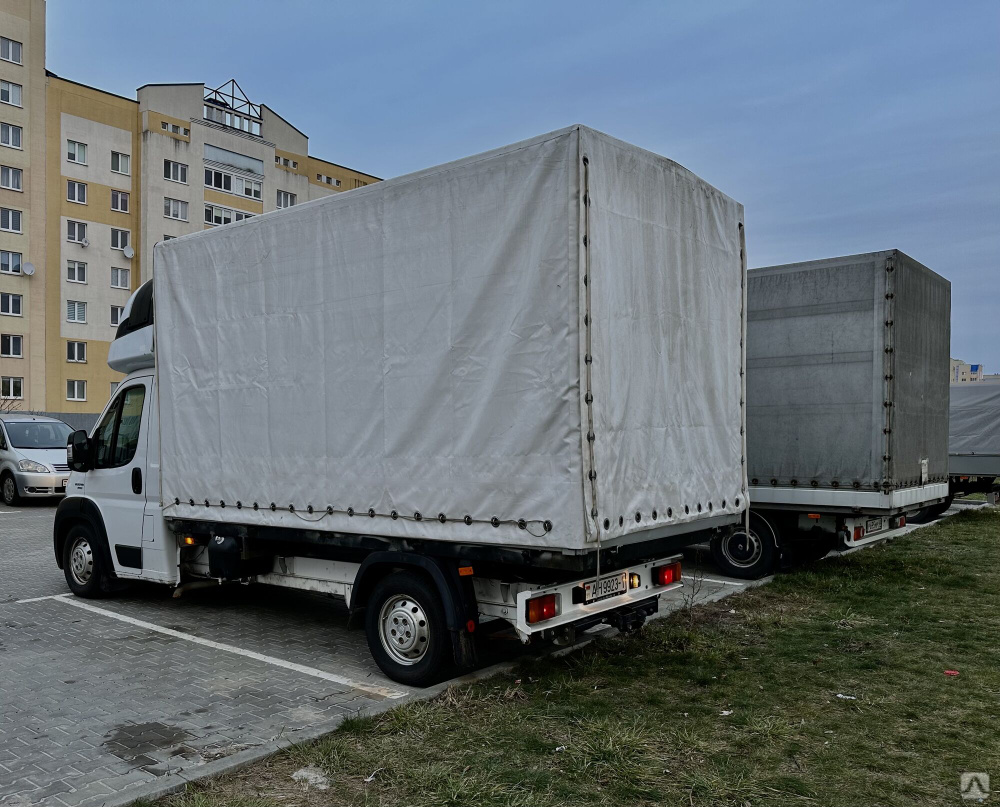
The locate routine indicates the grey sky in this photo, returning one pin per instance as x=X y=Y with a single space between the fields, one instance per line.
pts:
x=841 y=126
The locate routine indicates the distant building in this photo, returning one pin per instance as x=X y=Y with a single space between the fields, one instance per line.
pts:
x=90 y=181
x=991 y=378
x=964 y=373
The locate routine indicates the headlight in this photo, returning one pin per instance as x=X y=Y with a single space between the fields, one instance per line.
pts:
x=32 y=467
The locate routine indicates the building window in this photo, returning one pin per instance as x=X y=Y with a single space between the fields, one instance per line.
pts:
x=76 y=152
x=10 y=93
x=11 y=387
x=251 y=187
x=120 y=163
x=328 y=180
x=119 y=278
x=76 y=352
x=10 y=178
x=76 y=192
x=76 y=311
x=173 y=128
x=76 y=272
x=175 y=209
x=119 y=201
x=10 y=135
x=76 y=232
x=219 y=180
x=10 y=220
x=10 y=304
x=119 y=238
x=10 y=263
x=116 y=315
x=175 y=172
x=285 y=199
x=233 y=120
x=11 y=346
x=10 y=50
x=76 y=390
x=214 y=214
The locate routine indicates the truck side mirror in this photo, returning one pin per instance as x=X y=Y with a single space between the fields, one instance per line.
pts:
x=78 y=451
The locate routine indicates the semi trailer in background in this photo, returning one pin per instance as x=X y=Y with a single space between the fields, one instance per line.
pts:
x=506 y=388
x=847 y=405
x=974 y=440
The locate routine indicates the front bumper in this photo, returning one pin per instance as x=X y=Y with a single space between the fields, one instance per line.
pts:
x=31 y=484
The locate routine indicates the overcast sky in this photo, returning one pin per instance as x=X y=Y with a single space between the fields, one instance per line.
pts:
x=841 y=126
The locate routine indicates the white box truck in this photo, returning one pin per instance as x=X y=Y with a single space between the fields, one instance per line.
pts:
x=505 y=388
x=847 y=405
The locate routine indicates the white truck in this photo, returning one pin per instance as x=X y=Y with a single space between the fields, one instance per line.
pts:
x=506 y=388
x=847 y=405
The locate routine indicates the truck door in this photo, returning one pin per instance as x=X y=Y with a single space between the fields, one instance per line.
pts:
x=116 y=483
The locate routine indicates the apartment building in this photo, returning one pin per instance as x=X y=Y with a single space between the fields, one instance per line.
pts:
x=964 y=373
x=90 y=181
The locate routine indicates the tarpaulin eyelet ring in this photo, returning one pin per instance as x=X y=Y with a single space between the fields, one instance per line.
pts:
x=371 y=512
x=329 y=510
x=699 y=507
x=670 y=512
x=207 y=504
x=774 y=483
x=467 y=520
x=687 y=509
x=638 y=517
x=753 y=481
x=417 y=516
x=176 y=500
x=723 y=504
x=522 y=524
x=350 y=511
x=495 y=521
x=547 y=525
x=442 y=518
x=654 y=515
x=737 y=501
x=621 y=521
x=222 y=505
x=710 y=507
x=309 y=509
x=256 y=506
x=191 y=502
x=291 y=508
x=393 y=515
x=607 y=523
x=273 y=507
x=239 y=505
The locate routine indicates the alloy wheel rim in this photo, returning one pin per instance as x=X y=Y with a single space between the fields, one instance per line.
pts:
x=8 y=490
x=403 y=629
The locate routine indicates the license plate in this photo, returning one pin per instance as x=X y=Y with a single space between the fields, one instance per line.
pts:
x=873 y=525
x=605 y=587
x=64 y=482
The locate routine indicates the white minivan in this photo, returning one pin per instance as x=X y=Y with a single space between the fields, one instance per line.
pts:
x=32 y=457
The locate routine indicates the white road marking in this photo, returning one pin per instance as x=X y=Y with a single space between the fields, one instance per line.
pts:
x=38 y=599
x=383 y=692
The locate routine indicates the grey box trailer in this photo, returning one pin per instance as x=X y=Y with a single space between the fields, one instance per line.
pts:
x=974 y=439
x=847 y=404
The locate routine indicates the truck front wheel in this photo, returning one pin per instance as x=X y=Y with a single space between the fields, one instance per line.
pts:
x=84 y=564
x=406 y=629
x=748 y=555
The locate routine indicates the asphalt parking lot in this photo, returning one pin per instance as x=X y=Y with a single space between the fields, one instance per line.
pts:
x=104 y=701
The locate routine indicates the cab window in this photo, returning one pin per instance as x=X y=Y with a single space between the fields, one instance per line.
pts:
x=117 y=435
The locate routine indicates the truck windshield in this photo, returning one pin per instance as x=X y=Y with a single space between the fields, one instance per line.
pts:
x=38 y=434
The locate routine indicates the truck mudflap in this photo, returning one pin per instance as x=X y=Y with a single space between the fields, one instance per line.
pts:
x=623 y=598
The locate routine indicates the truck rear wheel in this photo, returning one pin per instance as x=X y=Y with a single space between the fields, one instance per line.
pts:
x=84 y=564
x=747 y=555
x=406 y=629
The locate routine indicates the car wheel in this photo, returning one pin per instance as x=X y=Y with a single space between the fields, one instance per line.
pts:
x=748 y=555
x=406 y=629
x=8 y=490
x=83 y=564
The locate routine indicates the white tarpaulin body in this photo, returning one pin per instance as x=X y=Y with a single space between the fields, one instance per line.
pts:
x=446 y=343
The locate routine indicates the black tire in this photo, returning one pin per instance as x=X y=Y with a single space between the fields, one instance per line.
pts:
x=927 y=514
x=408 y=603
x=84 y=564
x=747 y=559
x=8 y=490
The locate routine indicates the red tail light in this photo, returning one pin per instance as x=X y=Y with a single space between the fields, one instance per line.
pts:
x=542 y=608
x=665 y=575
x=902 y=521
x=859 y=533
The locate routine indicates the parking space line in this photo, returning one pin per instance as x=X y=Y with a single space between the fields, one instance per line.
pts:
x=39 y=599
x=382 y=692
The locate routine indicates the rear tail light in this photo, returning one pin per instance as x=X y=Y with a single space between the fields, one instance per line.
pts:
x=665 y=575
x=542 y=608
x=859 y=533
x=902 y=521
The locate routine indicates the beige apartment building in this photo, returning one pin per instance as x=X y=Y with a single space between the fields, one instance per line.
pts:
x=964 y=373
x=90 y=181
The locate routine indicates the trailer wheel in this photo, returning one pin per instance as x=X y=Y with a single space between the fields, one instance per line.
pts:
x=83 y=564
x=748 y=556
x=930 y=513
x=406 y=629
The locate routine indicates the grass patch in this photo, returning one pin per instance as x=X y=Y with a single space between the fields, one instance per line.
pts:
x=733 y=704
